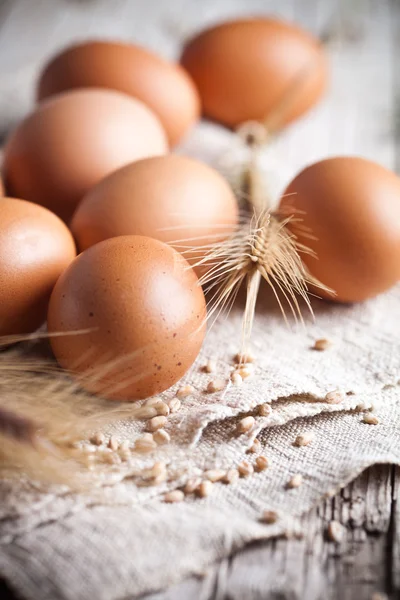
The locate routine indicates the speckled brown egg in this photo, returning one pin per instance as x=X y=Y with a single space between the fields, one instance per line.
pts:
x=35 y=248
x=162 y=85
x=246 y=69
x=347 y=211
x=75 y=139
x=141 y=312
x=170 y=198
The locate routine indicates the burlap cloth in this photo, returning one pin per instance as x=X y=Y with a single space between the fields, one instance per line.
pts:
x=120 y=541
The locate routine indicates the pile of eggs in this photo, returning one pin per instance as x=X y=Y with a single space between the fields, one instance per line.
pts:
x=90 y=168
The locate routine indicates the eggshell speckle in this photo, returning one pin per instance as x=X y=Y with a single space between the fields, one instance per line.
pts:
x=244 y=70
x=163 y=86
x=169 y=198
x=75 y=139
x=35 y=248
x=347 y=211
x=145 y=313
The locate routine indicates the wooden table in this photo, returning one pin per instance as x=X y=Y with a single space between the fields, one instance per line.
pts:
x=366 y=39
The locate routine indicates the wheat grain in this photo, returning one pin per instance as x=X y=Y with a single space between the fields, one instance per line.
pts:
x=185 y=391
x=156 y=423
x=322 y=344
x=217 y=385
x=174 y=496
x=245 y=468
x=245 y=425
x=269 y=517
x=295 y=481
x=370 y=419
x=261 y=463
x=161 y=437
x=264 y=410
x=255 y=448
x=214 y=475
x=304 y=439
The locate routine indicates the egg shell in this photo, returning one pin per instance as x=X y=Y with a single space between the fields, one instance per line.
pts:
x=35 y=248
x=347 y=211
x=246 y=69
x=169 y=198
x=71 y=141
x=144 y=315
x=162 y=85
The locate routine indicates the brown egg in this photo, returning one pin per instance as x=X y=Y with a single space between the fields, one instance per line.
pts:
x=35 y=248
x=75 y=139
x=347 y=211
x=169 y=198
x=164 y=86
x=144 y=315
x=246 y=69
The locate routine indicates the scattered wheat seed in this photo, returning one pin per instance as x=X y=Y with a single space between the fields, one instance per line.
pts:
x=217 y=385
x=161 y=437
x=335 y=397
x=261 y=463
x=336 y=531
x=264 y=410
x=192 y=484
x=231 y=476
x=204 y=489
x=269 y=517
x=295 y=481
x=113 y=443
x=370 y=419
x=304 y=439
x=322 y=344
x=361 y=407
x=157 y=470
x=174 y=496
x=146 y=412
x=98 y=438
x=152 y=401
x=125 y=446
x=245 y=425
x=159 y=467
x=111 y=458
x=245 y=371
x=162 y=408
x=236 y=379
x=184 y=391
x=156 y=423
x=210 y=366
x=145 y=443
x=255 y=448
x=214 y=475
x=174 y=405
x=245 y=469
x=244 y=358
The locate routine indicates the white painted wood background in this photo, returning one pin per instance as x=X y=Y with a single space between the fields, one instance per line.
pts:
x=359 y=115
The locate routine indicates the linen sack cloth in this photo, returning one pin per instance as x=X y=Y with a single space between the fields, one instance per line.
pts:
x=120 y=540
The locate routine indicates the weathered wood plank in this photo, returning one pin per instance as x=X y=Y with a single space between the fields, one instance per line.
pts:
x=315 y=568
